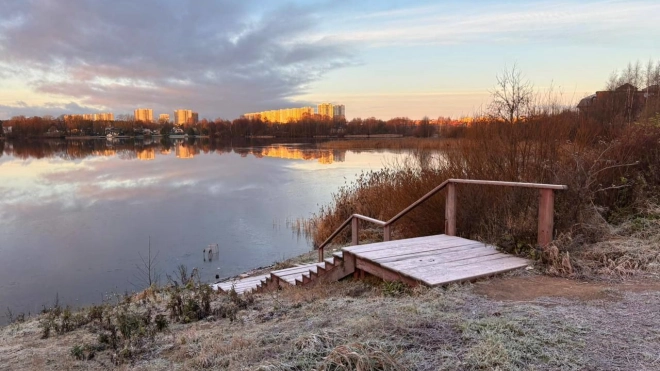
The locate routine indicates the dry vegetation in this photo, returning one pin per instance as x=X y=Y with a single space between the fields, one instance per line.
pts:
x=610 y=162
x=357 y=325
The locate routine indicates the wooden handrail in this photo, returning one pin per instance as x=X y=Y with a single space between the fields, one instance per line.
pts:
x=545 y=218
x=343 y=225
x=419 y=201
x=510 y=184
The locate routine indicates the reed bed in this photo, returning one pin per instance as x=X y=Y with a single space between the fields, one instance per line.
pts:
x=611 y=170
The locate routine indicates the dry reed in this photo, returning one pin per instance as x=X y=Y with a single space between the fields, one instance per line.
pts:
x=611 y=170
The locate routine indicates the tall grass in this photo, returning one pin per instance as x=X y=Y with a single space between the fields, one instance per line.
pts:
x=610 y=168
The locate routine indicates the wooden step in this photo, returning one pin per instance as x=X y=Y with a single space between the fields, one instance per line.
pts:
x=242 y=285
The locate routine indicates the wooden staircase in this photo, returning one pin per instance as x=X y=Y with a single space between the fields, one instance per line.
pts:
x=329 y=270
x=431 y=260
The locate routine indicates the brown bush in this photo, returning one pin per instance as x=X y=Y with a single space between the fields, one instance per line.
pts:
x=610 y=169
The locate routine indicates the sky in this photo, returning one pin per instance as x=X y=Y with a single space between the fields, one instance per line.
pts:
x=379 y=58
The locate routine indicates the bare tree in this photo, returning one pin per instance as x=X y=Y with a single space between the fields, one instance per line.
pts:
x=512 y=96
x=147 y=272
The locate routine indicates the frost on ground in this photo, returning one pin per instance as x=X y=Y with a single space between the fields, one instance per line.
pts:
x=517 y=322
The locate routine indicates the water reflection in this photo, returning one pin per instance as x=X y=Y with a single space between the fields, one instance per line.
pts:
x=149 y=149
x=75 y=214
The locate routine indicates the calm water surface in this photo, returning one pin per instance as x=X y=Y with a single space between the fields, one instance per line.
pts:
x=75 y=215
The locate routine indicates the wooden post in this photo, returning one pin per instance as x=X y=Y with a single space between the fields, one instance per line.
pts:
x=546 y=216
x=321 y=254
x=450 y=210
x=355 y=231
x=386 y=233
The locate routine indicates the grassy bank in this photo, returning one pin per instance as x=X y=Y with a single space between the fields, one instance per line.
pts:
x=537 y=323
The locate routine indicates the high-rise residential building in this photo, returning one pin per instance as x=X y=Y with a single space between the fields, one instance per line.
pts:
x=144 y=114
x=92 y=117
x=325 y=110
x=195 y=118
x=104 y=116
x=183 y=116
x=73 y=117
x=339 y=111
x=164 y=117
x=283 y=115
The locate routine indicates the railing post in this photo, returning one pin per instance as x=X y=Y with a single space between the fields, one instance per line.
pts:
x=321 y=254
x=355 y=231
x=450 y=210
x=546 y=216
x=386 y=233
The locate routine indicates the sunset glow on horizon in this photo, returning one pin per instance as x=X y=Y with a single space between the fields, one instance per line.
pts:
x=380 y=59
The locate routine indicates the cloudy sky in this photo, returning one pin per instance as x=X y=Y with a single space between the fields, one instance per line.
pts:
x=379 y=58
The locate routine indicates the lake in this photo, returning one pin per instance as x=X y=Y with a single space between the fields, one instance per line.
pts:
x=76 y=215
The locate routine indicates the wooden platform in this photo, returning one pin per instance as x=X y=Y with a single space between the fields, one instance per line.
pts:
x=433 y=260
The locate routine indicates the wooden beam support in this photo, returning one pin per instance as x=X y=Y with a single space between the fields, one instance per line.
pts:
x=384 y=273
x=355 y=231
x=321 y=254
x=546 y=216
x=387 y=233
x=450 y=210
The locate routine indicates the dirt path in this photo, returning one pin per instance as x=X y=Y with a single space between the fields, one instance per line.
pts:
x=525 y=288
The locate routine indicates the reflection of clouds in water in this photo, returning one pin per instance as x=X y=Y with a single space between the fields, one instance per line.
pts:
x=80 y=231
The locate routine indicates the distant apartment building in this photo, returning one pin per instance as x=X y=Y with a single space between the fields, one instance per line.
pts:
x=329 y=110
x=283 y=115
x=91 y=117
x=68 y=118
x=164 y=117
x=339 y=111
x=104 y=116
x=185 y=116
x=325 y=109
x=144 y=114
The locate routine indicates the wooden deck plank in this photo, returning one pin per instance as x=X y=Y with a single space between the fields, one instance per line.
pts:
x=417 y=256
x=242 y=284
x=465 y=264
x=226 y=285
x=411 y=251
x=243 y=280
x=357 y=249
x=295 y=273
x=460 y=266
x=439 y=239
x=460 y=272
x=303 y=268
x=396 y=243
x=441 y=259
x=295 y=269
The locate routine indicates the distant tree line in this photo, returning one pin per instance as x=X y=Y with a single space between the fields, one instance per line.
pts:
x=308 y=127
